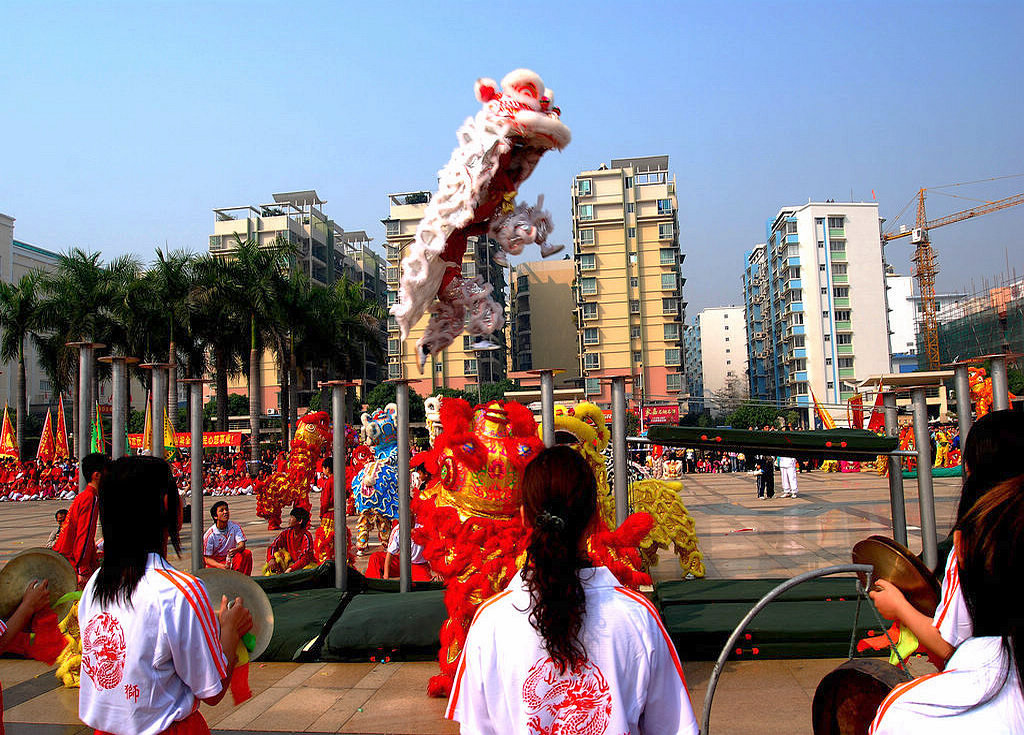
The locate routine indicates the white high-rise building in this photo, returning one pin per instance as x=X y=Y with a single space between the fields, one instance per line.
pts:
x=723 y=354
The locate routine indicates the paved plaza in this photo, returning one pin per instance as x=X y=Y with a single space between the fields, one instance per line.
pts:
x=741 y=537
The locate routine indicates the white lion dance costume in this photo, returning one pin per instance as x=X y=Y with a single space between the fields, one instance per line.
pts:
x=498 y=149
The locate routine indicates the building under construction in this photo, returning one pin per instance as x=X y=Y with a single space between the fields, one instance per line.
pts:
x=989 y=321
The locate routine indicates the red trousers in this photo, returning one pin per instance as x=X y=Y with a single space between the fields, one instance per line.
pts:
x=375 y=568
x=194 y=724
x=241 y=562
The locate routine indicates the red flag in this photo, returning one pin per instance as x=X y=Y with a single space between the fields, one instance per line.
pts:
x=45 y=451
x=855 y=411
x=60 y=437
x=8 y=441
x=877 y=422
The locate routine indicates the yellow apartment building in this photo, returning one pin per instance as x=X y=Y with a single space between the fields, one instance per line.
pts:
x=544 y=333
x=629 y=285
x=459 y=366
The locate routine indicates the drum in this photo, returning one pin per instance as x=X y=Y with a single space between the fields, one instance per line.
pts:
x=847 y=699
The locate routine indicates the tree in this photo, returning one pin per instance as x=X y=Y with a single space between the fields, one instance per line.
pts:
x=172 y=275
x=732 y=396
x=497 y=391
x=384 y=393
x=19 y=320
x=752 y=415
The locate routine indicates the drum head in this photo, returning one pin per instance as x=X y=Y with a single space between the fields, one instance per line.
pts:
x=847 y=699
x=37 y=563
x=235 y=584
x=897 y=564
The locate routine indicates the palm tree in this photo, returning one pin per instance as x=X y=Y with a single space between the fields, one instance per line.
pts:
x=357 y=323
x=19 y=320
x=172 y=275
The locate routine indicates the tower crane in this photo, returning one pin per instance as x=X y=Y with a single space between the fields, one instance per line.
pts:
x=925 y=266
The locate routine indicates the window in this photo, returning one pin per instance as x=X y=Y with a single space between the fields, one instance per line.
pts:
x=725 y=315
x=467 y=343
x=392 y=323
x=824 y=314
x=634 y=282
x=393 y=346
x=668 y=256
x=726 y=327
x=790 y=228
x=634 y=332
x=631 y=258
x=469 y=367
x=824 y=291
x=794 y=272
x=392 y=273
x=669 y=306
x=586 y=211
x=664 y=206
x=438 y=367
x=844 y=339
x=631 y=233
x=629 y=182
x=592 y=361
x=668 y=280
x=583 y=187
x=821 y=244
x=829 y=385
x=586 y=237
x=842 y=315
x=394 y=227
x=846 y=362
x=798 y=340
x=728 y=362
x=590 y=310
x=588 y=262
x=726 y=339
x=392 y=298
x=666 y=231
x=392 y=251
x=841 y=292
x=800 y=389
x=837 y=246
x=821 y=268
x=590 y=336
x=637 y=357
x=593 y=386
x=671 y=332
x=588 y=286
x=827 y=338
x=469 y=270
x=835 y=223
x=630 y=208
x=672 y=356
x=727 y=350
x=839 y=269
x=828 y=361
x=674 y=382
x=634 y=306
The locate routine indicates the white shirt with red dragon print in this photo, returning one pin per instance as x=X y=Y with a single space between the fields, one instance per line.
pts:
x=147 y=665
x=632 y=681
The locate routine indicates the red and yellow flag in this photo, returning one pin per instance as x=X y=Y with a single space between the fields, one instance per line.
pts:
x=877 y=421
x=147 y=427
x=823 y=415
x=8 y=441
x=60 y=437
x=45 y=451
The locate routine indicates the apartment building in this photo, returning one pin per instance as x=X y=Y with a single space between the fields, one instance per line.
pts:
x=905 y=311
x=460 y=366
x=629 y=304
x=543 y=325
x=694 y=370
x=816 y=307
x=324 y=251
x=723 y=354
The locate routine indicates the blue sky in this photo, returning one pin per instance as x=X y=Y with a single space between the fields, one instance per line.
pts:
x=122 y=125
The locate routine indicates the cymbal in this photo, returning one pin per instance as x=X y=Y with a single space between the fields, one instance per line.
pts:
x=235 y=584
x=36 y=563
x=897 y=564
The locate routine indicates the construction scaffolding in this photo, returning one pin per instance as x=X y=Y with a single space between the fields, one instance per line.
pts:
x=988 y=321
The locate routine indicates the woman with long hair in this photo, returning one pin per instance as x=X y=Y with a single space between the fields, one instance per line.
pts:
x=565 y=645
x=152 y=647
x=981 y=689
x=994 y=452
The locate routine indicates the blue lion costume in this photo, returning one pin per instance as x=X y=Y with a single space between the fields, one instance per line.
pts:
x=375 y=488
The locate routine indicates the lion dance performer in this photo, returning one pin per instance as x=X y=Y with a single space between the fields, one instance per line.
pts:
x=323 y=540
x=468 y=519
x=584 y=427
x=291 y=486
x=375 y=486
x=498 y=149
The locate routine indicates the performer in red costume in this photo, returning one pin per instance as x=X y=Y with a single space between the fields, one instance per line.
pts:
x=293 y=548
x=290 y=486
x=77 y=540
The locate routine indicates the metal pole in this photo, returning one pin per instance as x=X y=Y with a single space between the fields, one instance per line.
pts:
x=897 y=500
x=1000 y=385
x=338 y=488
x=119 y=368
x=404 y=516
x=547 y=406
x=621 y=486
x=963 y=403
x=156 y=437
x=925 y=491
x=196 y=460
x=84 y=405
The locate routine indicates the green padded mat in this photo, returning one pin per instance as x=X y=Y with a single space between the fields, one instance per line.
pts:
x=936 y=472
x=381 y=624
x=751 y=590
x=299 y=617
x=304 y=579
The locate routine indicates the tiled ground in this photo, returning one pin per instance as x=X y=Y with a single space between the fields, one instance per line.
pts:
x=740 y=536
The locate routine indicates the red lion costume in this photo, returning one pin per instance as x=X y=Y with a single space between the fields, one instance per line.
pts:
x=291 y=487
x=469 y=523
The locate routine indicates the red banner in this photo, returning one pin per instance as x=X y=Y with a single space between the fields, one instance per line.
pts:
x=211 y=439
x=661 y=415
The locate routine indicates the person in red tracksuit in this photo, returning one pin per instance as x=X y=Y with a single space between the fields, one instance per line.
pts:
x=77 y=540
x=296 y=540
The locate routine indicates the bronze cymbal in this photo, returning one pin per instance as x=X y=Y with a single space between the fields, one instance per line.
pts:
x=36 y=563
x=897 y=564
x=234 y=584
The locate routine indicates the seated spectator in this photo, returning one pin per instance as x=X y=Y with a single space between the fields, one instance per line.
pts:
x=60 y=516
x=224 y=542
x=293 y=548
x=385 y=565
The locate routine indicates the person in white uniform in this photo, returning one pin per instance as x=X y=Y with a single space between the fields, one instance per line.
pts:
x=980 y=690
x=565 y=645
x=993 y=453
x=787 y=468
x=152 y=646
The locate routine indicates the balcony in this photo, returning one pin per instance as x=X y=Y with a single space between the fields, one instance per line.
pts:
x=838 y=234
x=844 y=327
x=843 y=278
x=847 y=372
x=844 y=349
x=841 y=303
x=838 y=254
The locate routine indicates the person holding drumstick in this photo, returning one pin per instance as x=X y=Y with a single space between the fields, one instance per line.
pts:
x=152 y=646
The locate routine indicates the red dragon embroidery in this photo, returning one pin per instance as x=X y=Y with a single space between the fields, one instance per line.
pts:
x=103 y=651
x=576 y=703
